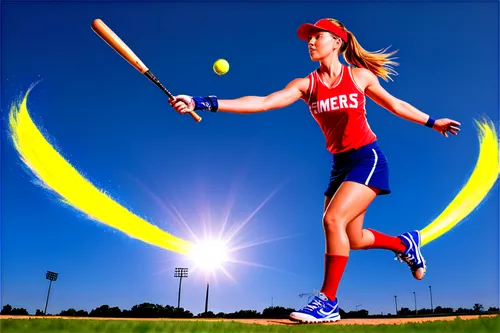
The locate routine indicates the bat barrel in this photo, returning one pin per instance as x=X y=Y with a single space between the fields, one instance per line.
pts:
x=106 y=34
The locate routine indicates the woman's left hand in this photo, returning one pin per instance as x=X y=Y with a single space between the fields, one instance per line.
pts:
x=446 y=125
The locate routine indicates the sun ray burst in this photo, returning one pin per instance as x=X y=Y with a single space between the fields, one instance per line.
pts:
x=259 y=207
x=256 y=242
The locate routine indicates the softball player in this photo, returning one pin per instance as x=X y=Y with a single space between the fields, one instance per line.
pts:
x=336 y=97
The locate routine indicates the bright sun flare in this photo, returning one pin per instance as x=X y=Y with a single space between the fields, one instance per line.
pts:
x=214 y=250
x=209 y=255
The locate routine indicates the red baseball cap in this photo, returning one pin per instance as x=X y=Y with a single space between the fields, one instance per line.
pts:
x=323 y=24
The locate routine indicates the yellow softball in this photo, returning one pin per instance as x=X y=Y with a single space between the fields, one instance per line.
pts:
x=221 y=67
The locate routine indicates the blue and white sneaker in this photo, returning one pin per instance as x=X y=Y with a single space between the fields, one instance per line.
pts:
x=319 y=310
x=412 y=256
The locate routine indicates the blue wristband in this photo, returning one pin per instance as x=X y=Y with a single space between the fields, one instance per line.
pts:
x=208 y=103
x=430 y=122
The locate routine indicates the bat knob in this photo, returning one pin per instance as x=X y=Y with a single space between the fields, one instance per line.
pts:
x=195 y=116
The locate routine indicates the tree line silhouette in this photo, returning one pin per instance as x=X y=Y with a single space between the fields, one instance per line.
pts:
x=150 y=310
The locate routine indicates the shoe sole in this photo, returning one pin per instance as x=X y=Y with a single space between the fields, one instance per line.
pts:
x=318 y=321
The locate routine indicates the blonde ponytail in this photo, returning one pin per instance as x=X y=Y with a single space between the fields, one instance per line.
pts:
x=378 y=62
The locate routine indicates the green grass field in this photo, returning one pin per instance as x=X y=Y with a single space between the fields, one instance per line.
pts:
x=481 y=325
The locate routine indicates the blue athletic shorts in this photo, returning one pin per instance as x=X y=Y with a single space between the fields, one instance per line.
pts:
x=366 y=165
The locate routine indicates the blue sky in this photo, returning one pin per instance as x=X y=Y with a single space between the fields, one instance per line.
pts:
x=119 y=131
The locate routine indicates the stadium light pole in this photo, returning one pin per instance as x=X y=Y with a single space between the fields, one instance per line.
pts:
x=415 y=299
x=396 y=301
x=206 y=301
x=430 y=291
x=51 y=276
x=180 y=273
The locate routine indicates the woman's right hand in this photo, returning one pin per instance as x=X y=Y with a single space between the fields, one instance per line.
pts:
x=182 y=103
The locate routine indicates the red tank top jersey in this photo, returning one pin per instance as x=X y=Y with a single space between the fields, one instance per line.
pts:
x=339 y=111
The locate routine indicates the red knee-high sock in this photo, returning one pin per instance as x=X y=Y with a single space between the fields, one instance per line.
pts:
x=383 y=241
x=334 y=269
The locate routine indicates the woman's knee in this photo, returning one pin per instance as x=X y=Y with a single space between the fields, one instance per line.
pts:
x=334 y=223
